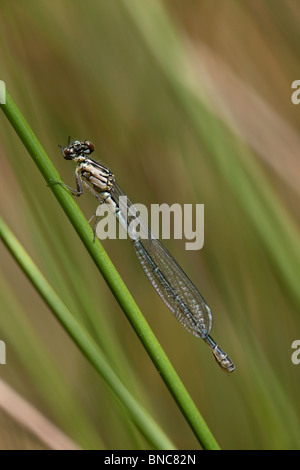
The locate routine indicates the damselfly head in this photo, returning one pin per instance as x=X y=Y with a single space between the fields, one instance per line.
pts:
x=77 y=148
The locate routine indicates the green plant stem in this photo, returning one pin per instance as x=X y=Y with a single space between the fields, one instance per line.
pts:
x=84 y=341
x=111 y=276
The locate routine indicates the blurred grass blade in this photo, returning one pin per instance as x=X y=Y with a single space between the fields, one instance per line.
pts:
x=143 y=421
x=112 y=278
x=274 y=225
x=29 y=417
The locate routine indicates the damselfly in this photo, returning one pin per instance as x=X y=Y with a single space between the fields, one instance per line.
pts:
x=168 y=279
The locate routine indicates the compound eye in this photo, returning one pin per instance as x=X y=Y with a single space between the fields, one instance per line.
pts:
x=66 y=151
x=68 y=154
x=89 y=147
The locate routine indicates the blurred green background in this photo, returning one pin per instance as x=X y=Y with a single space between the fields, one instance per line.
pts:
x=186 y=102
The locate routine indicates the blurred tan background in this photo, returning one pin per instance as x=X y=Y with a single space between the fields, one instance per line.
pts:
x=186 y=102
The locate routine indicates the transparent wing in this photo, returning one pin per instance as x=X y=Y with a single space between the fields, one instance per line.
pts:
x=168 y=279
x=174 y=287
